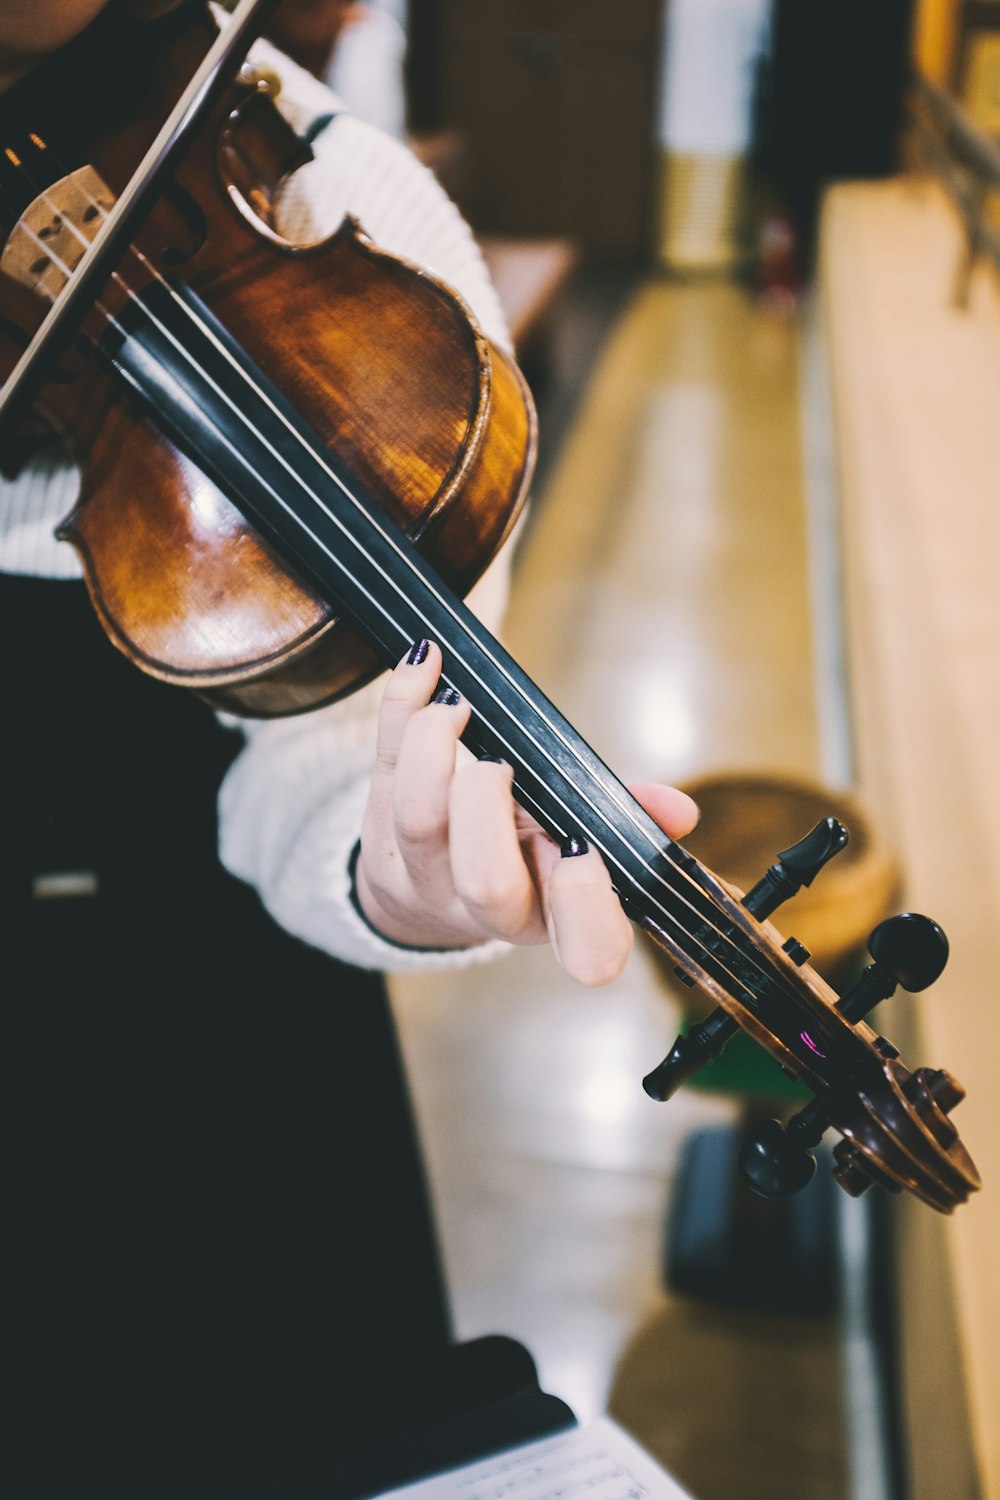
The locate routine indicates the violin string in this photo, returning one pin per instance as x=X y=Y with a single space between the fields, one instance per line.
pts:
x=61 y=265
x=662 y=911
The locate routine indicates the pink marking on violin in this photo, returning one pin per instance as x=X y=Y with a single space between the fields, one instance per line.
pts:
x=811 y=1044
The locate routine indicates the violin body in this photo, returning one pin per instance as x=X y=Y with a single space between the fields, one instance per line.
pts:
x=418 y=403
x=382 y=360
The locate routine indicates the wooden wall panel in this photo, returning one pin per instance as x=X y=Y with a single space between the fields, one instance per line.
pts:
x=556 y=100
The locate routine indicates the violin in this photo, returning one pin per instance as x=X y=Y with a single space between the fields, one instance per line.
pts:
x=297 y=460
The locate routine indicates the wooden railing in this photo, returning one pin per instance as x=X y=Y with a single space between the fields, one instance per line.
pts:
x=966 y=159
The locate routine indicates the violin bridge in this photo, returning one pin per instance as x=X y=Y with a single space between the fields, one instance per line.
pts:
x=55 y=231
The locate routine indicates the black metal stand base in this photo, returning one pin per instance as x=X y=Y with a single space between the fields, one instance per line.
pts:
x=727 y=1245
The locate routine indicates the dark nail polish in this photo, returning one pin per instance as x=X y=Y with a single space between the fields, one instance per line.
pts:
x=449 y=696
x=493 y=760
x=573 y=846
x=418 y=653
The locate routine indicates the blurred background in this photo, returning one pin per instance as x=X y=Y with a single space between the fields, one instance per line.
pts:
x=748 y=250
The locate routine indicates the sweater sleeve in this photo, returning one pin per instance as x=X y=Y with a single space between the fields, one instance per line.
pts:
x=291 y=804
x=290 y=814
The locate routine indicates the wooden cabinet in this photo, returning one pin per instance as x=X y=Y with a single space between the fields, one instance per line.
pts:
x=556 y=101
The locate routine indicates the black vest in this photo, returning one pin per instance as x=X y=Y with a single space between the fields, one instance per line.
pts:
x=222 y=1270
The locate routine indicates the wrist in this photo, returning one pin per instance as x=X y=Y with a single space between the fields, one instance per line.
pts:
x=381 y=923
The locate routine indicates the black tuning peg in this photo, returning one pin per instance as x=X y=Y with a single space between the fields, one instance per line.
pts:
x=856 y=1173
x=796 y=867
x=777 y=1162
x=691 y=1051
x=908 y=950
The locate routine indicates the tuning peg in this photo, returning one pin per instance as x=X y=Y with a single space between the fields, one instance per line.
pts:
x=777 y=1162
x=908 y=950
x=796 y=867
x=691 y=1051
x=856 y=1173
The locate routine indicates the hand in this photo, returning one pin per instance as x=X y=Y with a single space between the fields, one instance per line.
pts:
x=449 y=860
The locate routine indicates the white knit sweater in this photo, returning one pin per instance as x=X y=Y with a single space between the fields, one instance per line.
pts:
x=291 y=804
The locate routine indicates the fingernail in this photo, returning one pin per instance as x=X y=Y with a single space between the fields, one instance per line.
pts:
x=573 y=846
x=418 y=653
x=449 y=696
x=695 y=811
x=494 y=760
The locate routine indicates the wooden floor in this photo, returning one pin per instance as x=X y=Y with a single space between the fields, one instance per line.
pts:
x=662 y=599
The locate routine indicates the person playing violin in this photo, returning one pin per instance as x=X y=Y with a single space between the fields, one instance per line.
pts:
x=224 y=1278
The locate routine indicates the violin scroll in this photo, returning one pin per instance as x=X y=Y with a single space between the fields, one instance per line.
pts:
x=895 y=1124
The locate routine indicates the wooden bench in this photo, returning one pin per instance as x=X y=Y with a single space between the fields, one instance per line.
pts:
x=529 y=274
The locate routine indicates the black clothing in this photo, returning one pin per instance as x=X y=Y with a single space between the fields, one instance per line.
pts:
x=221 y=1274
x=830 y=101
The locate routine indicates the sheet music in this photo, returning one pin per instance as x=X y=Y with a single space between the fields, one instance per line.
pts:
x=598 y=1461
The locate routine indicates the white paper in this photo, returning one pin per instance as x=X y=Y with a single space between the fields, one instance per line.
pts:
x=596 y=1462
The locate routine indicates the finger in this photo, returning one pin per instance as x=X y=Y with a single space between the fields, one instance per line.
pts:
x=676 y=812
x=487 y=865
x=590 y=933
x=408 y=689
x=420 y=787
